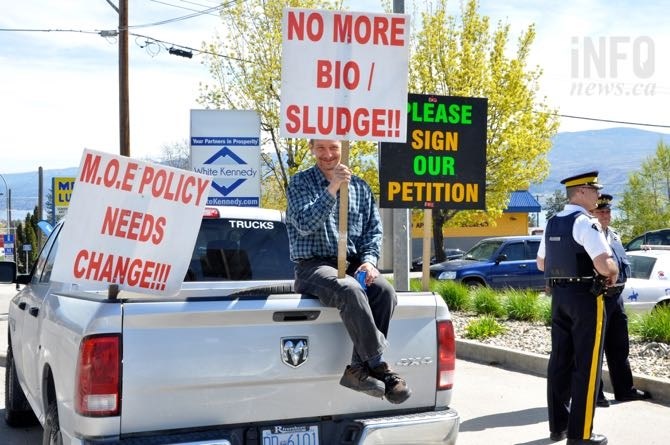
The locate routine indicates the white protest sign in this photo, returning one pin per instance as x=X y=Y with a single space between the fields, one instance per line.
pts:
x=344 y=75
x=130 y=223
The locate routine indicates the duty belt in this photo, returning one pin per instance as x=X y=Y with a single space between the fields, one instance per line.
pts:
x=564 y=281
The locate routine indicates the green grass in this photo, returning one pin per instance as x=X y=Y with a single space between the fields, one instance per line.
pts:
x=545 y=310
x=416 y=285
x=454 y=294
x=486 y=301
x=654 y=326
x=483 y=327
x=522 y=305
x=526 y=305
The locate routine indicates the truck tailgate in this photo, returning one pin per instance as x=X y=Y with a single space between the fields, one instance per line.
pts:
x=205 y=362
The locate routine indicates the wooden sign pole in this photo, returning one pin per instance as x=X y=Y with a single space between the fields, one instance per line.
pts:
x=344 y=213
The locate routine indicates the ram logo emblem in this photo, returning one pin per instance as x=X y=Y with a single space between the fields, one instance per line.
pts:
x=294 y=351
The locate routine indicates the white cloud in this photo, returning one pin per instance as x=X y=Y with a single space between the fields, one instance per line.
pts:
x=60 y=90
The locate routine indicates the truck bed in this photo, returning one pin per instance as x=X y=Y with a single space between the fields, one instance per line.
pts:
x=209 y=361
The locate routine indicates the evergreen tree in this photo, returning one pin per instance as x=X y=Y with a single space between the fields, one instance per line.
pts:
x=555 y=203
x=646 y=201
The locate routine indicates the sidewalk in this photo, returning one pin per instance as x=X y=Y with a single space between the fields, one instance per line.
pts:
x=536 y=364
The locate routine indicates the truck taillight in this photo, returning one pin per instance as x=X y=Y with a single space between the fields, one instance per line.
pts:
x=211 y=213
x=446 y=354
x=98 y=381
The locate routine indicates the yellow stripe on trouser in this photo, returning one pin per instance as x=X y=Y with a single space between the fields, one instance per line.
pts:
x=595 y=367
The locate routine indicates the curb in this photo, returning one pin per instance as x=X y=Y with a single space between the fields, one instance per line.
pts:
x=536 y=364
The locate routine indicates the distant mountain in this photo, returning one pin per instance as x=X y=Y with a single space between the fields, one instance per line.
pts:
x=25 y=189
x=614 y=152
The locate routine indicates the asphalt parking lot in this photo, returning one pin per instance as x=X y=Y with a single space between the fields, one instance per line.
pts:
x=496 y=404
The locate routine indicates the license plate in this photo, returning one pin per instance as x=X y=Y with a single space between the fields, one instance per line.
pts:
x=291 y=435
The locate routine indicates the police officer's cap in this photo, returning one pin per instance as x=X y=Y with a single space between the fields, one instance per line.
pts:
x=583 y=179
x=604 y=201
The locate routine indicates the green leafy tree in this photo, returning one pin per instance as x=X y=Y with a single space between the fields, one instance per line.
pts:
x=465 y=57
x=646 y=200
x=245 y=65
x=448 y=57
x=555 y=203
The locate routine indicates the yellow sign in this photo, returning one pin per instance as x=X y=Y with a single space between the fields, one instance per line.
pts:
x=62 y=191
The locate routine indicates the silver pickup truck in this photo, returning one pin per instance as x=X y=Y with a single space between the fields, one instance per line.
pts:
x=236 y=358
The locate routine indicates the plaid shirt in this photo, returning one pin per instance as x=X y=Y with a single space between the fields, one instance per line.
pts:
x=313 y=219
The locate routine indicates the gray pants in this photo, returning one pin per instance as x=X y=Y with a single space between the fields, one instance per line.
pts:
x=366 y=314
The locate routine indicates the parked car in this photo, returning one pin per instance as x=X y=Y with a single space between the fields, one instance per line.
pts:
x=649 y=285
x=450 y=254
x=659 y=237
x=500 y=262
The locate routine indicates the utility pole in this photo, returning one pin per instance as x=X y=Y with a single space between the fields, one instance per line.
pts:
x=9 y=206
x=40 y=204
x=401 y=224
x=124 y=114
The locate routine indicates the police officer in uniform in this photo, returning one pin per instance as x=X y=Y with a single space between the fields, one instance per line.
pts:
x=576 y=258
x=616 y=326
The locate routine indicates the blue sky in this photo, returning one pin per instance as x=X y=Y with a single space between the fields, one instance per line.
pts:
x=59 y=90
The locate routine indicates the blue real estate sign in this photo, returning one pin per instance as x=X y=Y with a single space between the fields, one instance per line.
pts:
x=226 y=146
x=9 y=247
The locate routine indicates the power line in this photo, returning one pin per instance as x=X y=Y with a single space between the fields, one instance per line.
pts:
x=114 y=33
x=163 y=43
x=611 y=121
x=184 y=7
x=195 y=50
x=197 y=13
x=48 y=30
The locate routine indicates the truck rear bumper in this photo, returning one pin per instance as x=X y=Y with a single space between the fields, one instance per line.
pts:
x=425 y=428
x=428 y=428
